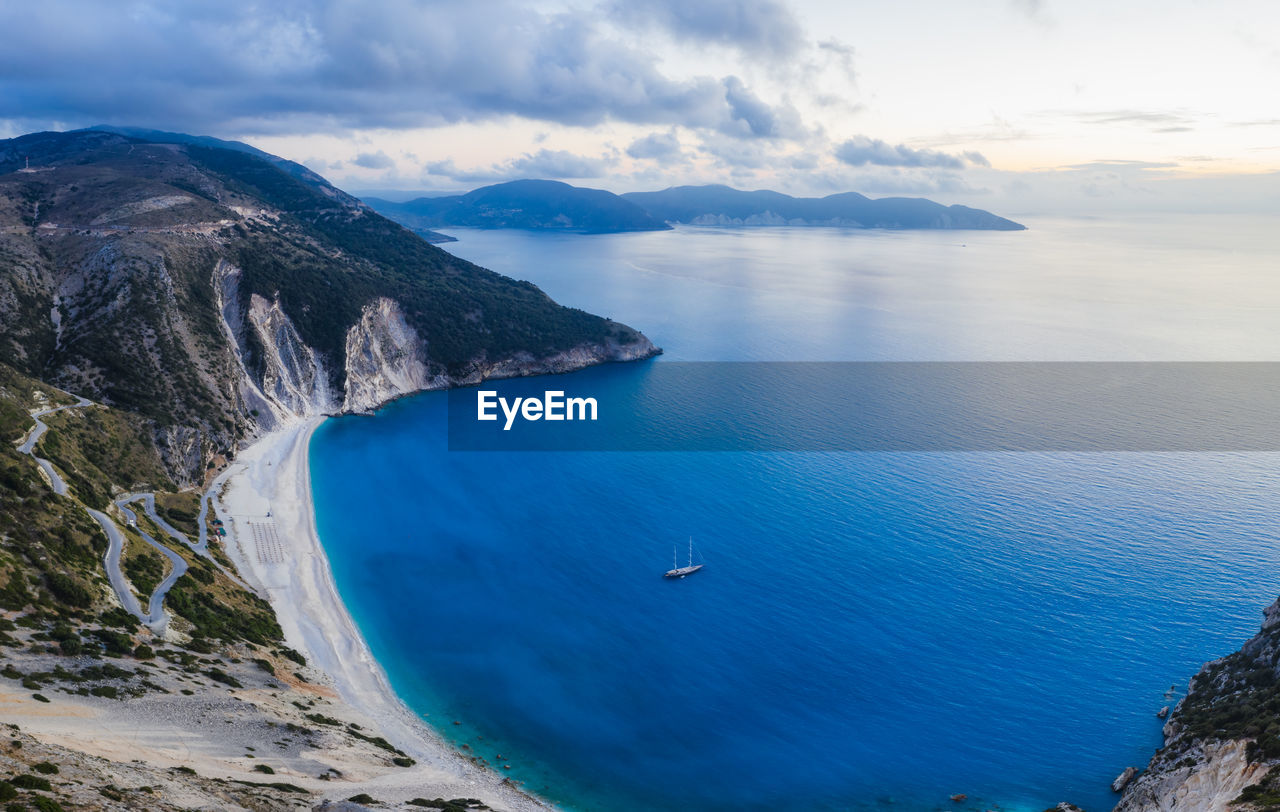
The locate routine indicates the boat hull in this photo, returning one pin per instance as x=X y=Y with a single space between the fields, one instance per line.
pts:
x=682 y=571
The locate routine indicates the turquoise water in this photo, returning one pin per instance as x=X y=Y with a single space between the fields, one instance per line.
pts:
x=872 y=630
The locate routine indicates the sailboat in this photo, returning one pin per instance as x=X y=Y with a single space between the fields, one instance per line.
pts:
x=678 y=571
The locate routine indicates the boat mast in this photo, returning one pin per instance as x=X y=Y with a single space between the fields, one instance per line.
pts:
x=691 y=551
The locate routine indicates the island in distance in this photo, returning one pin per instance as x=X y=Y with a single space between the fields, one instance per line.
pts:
x=540 y=205
x=544 y=205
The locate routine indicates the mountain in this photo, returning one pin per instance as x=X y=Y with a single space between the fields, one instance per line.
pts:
x=213 y=292
x=163 y=137
x=543 y=205
x=723 y=205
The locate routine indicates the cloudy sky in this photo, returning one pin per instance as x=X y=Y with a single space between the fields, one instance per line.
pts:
x=1016 y=105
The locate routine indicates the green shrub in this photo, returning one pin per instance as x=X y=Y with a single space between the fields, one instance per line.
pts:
x=218 y=675
x=114 y=643
x=289 y=653
x=68 y=590
x=118 y=618
x=43 y=804
x=29 y=781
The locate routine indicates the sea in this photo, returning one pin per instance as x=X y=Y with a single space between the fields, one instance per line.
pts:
x=872 y=630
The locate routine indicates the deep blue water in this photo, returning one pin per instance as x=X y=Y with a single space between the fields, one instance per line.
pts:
x=871 y=630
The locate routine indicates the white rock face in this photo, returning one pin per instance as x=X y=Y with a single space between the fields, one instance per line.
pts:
x=385 y=359
x=1216 y=775
x=293 y=374
x=294 y=381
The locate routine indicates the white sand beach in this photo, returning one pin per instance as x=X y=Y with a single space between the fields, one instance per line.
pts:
x=265 y=502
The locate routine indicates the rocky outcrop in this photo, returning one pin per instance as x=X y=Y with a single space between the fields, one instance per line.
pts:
x=385 y=359
x=1205 y=777
x=580 y=357
x=768 y=218
x=1221 y=739
x=292 y=373
x=1123 y=779
x=183 y=449
x=263 y=411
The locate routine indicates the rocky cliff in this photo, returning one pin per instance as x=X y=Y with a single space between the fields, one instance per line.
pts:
x=1222 y=741
x=214 y=294
x=385 y=358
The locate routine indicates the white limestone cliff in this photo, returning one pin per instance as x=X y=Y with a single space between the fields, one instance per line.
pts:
x=1206 y=778
x=293 y=374
x=385 y=359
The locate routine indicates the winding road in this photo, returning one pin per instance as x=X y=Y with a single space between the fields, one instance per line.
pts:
x=28 y=445
x=200 y=548
x=155 y=616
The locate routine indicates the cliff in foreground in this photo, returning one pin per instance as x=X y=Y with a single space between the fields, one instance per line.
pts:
x=1222 y=741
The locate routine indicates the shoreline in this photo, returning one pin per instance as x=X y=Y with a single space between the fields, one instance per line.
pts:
x=264 y=499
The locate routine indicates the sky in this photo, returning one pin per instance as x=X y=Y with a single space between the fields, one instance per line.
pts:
x=1012 y=105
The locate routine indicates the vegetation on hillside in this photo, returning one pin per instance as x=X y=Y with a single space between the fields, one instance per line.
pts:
x=107 y=257
x=331 y=260
x=51 y=552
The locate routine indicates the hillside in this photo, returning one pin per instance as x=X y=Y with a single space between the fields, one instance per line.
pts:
x=212 y=292
x=722 y=205
x=202 y=705
x=530 y=204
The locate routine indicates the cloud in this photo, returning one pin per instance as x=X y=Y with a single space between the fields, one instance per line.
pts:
x=240 y=67
x=374 y=160
x=898 y=182
x=658 y=146
x=558 y=163
x=448 y=169
x=760 y=28
x=1121 y=165
x=841 y=51
x=1157 y=120
x=544 y=163
x=861 y=151
x=748 y=114
x=738 y=154
x=892 y=180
